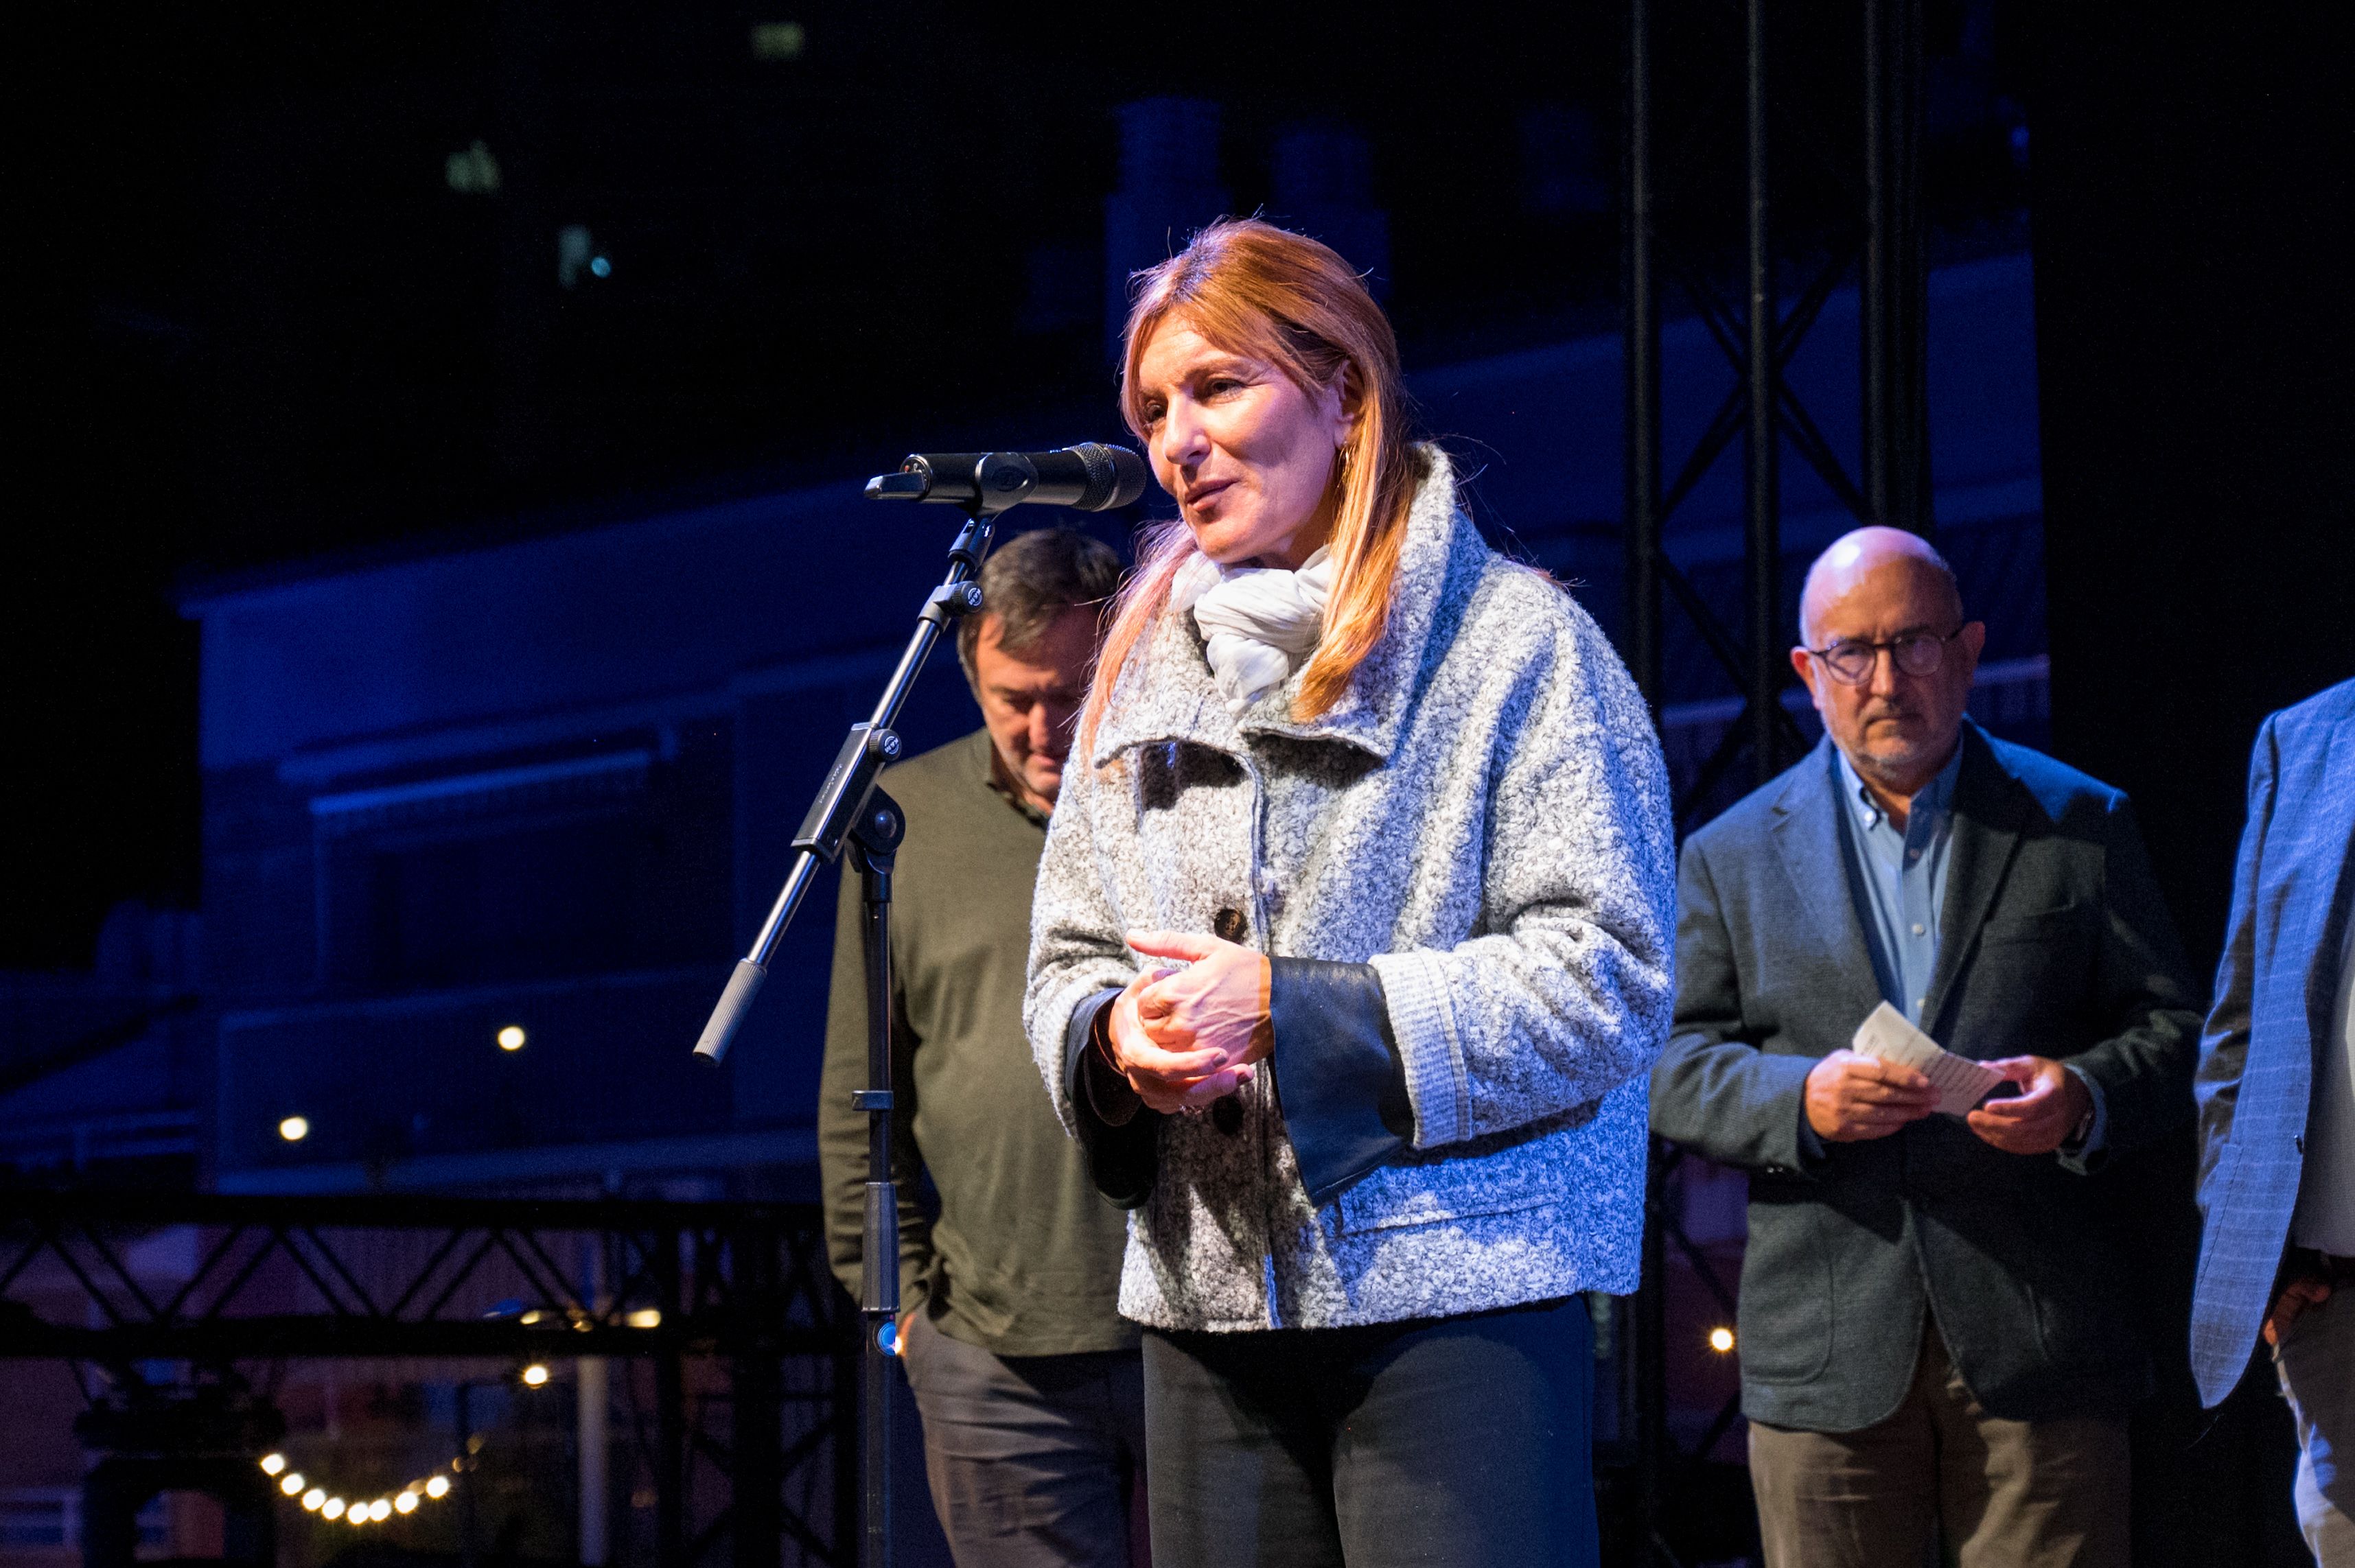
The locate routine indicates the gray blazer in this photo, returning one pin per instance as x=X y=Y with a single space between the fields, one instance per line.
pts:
x=2055 y=942
x=2273 y=988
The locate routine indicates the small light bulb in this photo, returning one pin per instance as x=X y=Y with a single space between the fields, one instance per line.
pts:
x=534 y=1375
x=313 y=1497
x=357 y=1514
x=291 y=1484
x=512 y=1037
x=1721 y=1340
x=380 y=1509
x=272 y=1463
x=294 y=1128
x=333 y=1507
x=438 y=1486
x=645 y=1318
x=405 y=1502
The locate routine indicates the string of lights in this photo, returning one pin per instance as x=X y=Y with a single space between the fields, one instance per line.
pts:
x=330 y=1504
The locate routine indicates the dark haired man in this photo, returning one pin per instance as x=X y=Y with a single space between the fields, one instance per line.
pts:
x=1931 y=1304
x=1025 y=1374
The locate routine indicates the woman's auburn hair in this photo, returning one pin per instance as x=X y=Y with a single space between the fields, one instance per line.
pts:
x=1251 y=288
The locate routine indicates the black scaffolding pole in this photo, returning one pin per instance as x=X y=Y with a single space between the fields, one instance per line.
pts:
x=1644 y=1396
x=1641 y=361
x=1893 y=288
x=1871 y=165
x=1762 y=380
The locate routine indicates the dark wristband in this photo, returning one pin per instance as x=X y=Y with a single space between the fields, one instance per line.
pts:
x=1120 y=1134
x=1337 y=1070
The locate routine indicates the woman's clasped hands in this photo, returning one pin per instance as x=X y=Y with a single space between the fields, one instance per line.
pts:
x=1185 y=1037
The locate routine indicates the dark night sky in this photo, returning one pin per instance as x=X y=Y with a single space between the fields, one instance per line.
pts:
x=260 y=325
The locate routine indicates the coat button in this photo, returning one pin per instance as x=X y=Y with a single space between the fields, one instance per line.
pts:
x=1227 y=1114
x=1229 y=926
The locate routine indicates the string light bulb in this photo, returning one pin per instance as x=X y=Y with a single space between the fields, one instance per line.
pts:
x=1721 y=1340
x=315 y=1500
x=534 y=1375
x=272 y=1463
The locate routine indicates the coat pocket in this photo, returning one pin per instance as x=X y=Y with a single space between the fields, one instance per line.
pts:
x=1784 y=1310
x=1394 y=1196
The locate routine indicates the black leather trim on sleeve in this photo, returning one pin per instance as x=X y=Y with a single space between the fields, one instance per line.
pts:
x=1337 y=1070
x=1120 y=1135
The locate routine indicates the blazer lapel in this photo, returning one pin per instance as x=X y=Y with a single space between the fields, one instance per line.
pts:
x=1990 y=808
x=1807 y=836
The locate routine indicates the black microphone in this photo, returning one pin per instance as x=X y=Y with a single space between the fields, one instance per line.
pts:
x=1091 y=476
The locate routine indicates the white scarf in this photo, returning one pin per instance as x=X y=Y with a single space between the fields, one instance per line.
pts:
x=1261 y=622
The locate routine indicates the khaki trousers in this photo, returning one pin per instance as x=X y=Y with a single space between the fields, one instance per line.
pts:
x=2009 y=1494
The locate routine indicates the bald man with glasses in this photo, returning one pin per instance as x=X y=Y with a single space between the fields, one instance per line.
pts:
x=1936 y=1326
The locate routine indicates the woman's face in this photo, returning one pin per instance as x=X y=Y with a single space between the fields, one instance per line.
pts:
x=1247 y=453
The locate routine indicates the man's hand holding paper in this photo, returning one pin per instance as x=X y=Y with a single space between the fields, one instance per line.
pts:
x=1852 y=1097
x=2052 y=1103
x=1961 y=1082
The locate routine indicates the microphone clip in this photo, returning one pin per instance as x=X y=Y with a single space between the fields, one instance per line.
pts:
x=1090 y=477
x=984 y=484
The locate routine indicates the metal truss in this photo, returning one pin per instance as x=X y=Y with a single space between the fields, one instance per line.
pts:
x=1878 y=244
x=1876 y=239
x=292 y=1278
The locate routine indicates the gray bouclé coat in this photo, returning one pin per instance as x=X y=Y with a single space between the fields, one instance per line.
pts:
x=1485 y=818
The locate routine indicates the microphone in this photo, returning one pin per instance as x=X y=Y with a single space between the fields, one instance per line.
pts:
x=1091 y=477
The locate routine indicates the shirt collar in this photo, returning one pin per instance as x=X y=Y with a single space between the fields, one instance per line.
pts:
x=1933 y=800
x=994 y=773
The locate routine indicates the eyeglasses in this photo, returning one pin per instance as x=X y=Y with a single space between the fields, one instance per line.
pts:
x=1917 y=653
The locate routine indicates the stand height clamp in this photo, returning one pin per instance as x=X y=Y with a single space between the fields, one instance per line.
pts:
x=951 y=600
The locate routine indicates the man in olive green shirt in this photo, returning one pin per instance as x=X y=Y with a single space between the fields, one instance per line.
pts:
x=1025 y=1374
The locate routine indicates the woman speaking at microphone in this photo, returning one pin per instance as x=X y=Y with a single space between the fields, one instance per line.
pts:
x=1351 y=948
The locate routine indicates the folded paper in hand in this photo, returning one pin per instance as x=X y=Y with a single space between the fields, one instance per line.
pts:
x=1961 y=1082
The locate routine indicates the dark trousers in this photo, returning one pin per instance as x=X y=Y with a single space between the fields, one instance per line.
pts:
x=1447 y=1441
x=1032 y=1459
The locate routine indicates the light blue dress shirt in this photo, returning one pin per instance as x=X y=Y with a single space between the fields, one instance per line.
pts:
x=1899 y=883
x=1901 y=879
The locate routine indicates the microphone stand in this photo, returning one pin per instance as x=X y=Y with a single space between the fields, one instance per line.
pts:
x=850 y=810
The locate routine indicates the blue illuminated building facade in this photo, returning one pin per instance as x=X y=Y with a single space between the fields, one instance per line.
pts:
x=548 y=785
